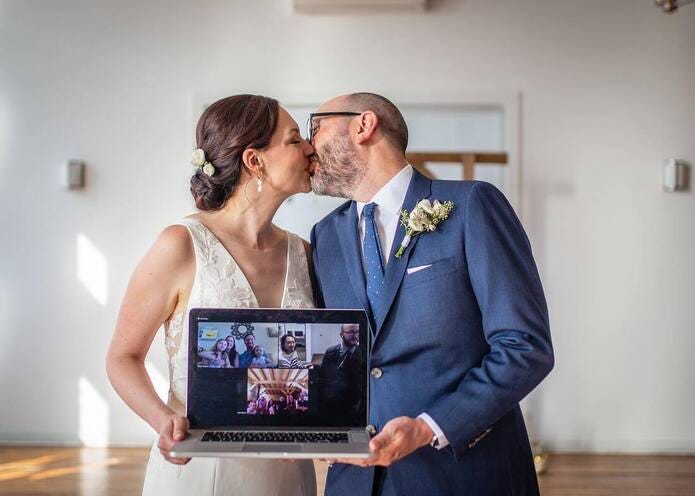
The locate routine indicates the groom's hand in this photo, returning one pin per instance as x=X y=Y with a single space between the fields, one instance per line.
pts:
x=399 y=437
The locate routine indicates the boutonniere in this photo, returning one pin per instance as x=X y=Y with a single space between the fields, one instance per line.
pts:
x=424 y=218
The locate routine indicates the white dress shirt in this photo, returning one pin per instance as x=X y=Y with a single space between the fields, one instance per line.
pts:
x=387 y=214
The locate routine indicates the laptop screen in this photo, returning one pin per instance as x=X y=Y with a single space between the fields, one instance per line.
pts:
x=277 y=368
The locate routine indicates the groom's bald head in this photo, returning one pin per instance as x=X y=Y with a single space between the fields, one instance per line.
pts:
x=391 y=122
x=352 y=135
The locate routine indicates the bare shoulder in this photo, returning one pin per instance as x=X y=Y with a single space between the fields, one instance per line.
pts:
x=161 y=277
x=171 y=251
x=174 y=241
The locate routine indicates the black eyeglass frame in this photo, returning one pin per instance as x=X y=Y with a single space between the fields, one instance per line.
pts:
x=310 y=126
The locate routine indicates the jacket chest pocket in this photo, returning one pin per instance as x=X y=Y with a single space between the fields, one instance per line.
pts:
x=419 y=273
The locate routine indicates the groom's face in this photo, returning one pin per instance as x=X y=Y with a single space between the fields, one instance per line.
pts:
x=337 y=167
x=350 y=334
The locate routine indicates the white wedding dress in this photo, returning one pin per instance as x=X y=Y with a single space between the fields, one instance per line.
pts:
x=220 y=283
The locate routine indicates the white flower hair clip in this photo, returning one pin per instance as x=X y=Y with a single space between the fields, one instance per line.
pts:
x=198 y=161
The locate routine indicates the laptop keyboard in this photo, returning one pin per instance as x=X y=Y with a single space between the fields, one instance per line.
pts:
x=274 y=437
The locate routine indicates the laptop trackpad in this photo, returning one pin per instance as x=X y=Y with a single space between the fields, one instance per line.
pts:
x=272 y=447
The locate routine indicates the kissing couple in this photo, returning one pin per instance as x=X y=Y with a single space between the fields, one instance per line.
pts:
x=458 y=317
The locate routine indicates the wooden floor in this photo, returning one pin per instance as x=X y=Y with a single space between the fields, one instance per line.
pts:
x=119 y=471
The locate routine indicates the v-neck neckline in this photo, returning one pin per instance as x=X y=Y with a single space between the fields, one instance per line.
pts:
x=241 y=270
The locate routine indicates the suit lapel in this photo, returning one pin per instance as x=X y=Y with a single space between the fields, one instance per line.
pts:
x=349 y=240
x=420 y=187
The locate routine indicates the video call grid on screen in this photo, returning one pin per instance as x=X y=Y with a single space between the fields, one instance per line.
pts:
x=252 y=367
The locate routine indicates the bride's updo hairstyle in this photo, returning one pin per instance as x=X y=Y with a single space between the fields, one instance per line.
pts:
x=227 y=128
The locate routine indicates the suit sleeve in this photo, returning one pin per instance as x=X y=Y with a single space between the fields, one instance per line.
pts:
x=514 y=315
x=315 y=282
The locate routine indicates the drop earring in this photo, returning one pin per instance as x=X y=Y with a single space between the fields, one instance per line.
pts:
x=259 y=183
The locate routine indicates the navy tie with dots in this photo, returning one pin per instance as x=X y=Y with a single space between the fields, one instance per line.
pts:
x=373 y=259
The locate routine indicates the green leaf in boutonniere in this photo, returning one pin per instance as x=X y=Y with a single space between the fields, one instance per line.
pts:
x=425 y=217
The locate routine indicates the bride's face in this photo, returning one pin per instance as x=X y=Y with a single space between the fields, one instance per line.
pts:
x=285 y=160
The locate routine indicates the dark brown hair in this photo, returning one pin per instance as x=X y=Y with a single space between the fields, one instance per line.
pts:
x=227 y=128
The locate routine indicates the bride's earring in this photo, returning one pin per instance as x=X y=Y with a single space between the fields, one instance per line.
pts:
x=259 y=182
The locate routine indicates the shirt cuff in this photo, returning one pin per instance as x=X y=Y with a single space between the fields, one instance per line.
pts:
x=443 y=441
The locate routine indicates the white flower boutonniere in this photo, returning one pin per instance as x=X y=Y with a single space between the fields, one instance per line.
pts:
x=423 y=218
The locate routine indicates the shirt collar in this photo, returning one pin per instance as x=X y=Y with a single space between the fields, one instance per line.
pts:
x=392 y=195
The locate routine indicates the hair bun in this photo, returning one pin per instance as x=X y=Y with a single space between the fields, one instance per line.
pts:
x=227 y=128
x=208 y=194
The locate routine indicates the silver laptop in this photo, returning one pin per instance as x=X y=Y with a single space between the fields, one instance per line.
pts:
x=277 y=384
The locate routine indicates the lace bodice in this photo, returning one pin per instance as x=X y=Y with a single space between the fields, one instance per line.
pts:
x=220 y=283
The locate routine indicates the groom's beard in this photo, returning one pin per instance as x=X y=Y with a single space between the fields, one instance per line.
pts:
x=339 y=169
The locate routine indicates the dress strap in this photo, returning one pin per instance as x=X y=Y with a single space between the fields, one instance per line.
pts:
x=204 y=241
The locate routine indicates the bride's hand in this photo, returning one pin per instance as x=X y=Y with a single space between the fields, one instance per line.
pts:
x=174 y=429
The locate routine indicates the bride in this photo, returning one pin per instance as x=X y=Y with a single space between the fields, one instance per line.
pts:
x=250 y=158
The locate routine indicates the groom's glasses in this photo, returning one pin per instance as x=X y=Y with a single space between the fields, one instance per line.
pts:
x=310 y=130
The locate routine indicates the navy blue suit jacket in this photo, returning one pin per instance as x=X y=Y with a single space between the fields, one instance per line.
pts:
x=463 y=340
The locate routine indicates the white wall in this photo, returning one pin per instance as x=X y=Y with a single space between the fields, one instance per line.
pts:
x=323 y=336
x=606 y=94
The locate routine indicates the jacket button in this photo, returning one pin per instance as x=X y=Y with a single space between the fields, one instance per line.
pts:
x=377 y=373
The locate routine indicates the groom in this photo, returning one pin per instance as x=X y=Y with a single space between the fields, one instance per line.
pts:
x=459 y=322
